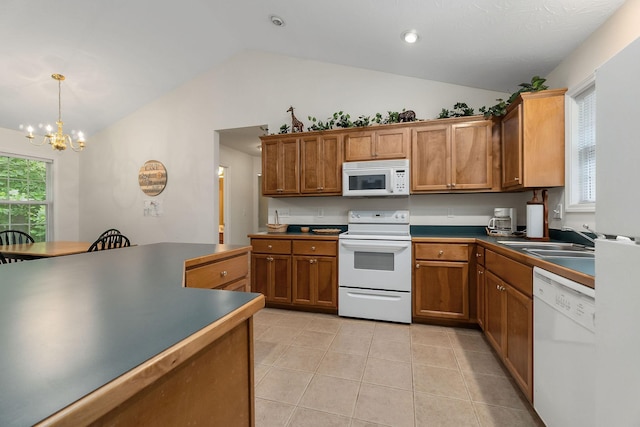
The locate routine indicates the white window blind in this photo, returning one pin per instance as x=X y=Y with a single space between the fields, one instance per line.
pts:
x=586 y=145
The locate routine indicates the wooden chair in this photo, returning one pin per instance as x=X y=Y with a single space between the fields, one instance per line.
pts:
x=111 y=241
x=3 y=260
x=12 y=237
x=110 y=232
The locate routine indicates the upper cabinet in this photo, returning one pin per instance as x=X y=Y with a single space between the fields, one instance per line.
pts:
x=280 y=166
x=321 y=164
x=379 y=144
x=533 y=141
x=452 y=155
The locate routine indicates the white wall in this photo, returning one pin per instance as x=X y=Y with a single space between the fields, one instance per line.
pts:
x=256 y=87
x=240 y=181
x=65 y=180
x=618 y=31
x=249 y=89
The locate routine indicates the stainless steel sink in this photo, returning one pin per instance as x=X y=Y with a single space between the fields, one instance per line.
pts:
x=541 y=245
x=561 y=253
x=551 y=249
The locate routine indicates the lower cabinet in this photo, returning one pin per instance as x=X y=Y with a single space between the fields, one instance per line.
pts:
x=296 y=272
x=272 y=276
x=441 y=281
x=227 y=270
x=508 y=316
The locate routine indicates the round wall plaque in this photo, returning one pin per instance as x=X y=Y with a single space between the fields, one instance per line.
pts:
x=152 y=178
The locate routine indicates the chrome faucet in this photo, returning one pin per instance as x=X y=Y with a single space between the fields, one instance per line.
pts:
x=586 y=226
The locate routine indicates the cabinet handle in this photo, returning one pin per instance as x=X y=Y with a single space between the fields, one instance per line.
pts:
x=441 y=253
x=448 y=185
x=269 y=259
x=480 y=272
x=312 y=261
x=478 y=255
x=453 y=185
x=516 y=179
x=313 y=248
x=223 y=274
x=417 y=266
x=269 y=247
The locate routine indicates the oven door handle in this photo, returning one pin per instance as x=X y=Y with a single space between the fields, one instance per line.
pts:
x=377 y=246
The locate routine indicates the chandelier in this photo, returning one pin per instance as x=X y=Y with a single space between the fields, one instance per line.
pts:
x=58 y=140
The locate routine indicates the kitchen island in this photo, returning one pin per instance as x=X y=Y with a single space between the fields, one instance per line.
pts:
x=114 y=337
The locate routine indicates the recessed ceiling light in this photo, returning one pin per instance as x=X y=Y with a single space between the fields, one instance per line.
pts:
x=277 y=21
x=410 y=36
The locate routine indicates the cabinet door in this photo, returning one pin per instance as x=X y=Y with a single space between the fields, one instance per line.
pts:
x=260 y=273
x=271 y=276
x=480 y=291
x=494 y=324
x=280 y=163
x=315 y=281
x=270 y=183
x=471 y=155
x=441 y=290
x=430 y=158
x=392 y=144
x=321 y=164
x=326 y=282
x=512 y=148
x=518 y=354
x=359 y=146
x=280 y=280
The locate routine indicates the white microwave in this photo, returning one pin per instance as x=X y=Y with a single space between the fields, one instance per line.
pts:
x=375 y=178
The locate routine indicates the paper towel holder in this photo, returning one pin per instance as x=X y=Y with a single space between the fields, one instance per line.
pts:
x=545 y=214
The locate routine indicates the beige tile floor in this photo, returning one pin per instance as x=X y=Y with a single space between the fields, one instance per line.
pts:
x=324 y=370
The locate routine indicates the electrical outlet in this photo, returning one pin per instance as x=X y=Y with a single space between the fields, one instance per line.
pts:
x=557 y=212
x=320 y=213
x=450 y=213
x=283 y=212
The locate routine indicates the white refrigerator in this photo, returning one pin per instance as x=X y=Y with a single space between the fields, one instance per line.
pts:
x=618 y=262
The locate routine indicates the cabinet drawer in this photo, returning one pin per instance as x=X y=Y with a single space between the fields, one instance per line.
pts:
x=518 y=275
x=271 y=246
x=314 y=247
x=241 y=285
x=442 y=251
x=217 y=274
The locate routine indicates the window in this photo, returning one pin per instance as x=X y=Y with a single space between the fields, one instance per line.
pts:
x=24 y=201
x=581 y=190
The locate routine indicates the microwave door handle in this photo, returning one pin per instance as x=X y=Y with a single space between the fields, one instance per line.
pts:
x=392 y=180
x=377 y=247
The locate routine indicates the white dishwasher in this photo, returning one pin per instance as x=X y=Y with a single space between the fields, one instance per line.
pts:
x=564 y=351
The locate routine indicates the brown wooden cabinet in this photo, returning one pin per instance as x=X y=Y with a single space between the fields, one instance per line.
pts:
x=296 y=272
x=315 y=273
x=379 y=144
x=271 y=269
x=280 y=167
x=321 y=164
x=509 y=316
x=452 y=155
x=228 y=270
x=533 y=141
x=441 y=281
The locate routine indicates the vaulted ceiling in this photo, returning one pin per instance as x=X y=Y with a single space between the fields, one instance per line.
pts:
x=119 y=55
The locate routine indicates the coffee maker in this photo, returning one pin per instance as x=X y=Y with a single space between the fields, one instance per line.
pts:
x=503 y=222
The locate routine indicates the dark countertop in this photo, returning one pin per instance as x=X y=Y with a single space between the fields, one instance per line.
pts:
x=72 y=324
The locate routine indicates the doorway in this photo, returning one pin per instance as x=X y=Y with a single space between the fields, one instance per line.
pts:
x=239 y=198
x=223 y=203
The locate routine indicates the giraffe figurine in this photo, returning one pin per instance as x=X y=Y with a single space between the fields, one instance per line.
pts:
x=296 y=125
